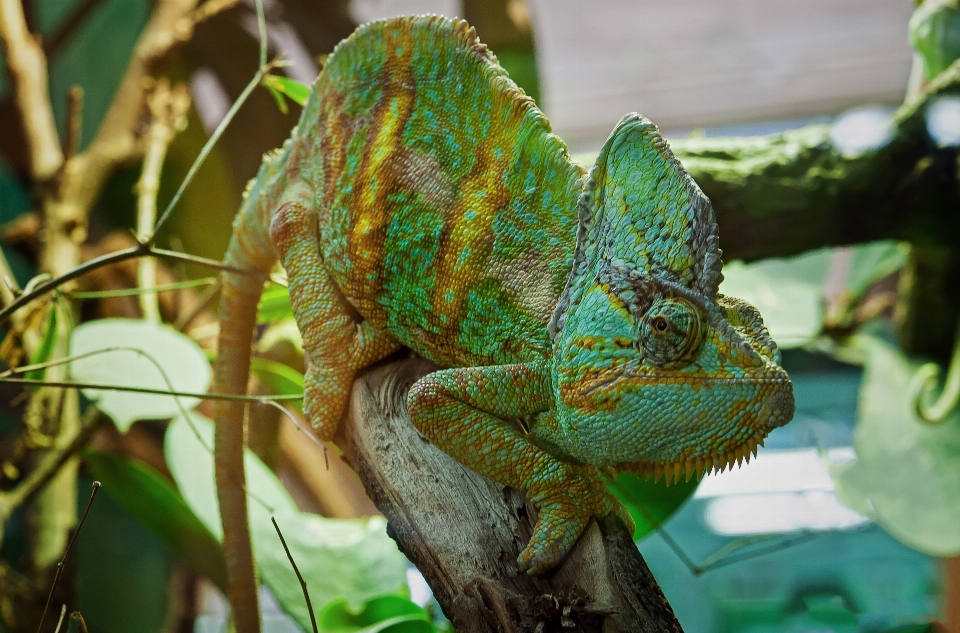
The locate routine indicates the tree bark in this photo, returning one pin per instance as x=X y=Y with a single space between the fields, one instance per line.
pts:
x=786 y=193
x=464 y=532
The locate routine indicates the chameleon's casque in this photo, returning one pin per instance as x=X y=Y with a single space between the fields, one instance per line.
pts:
x=422 y=201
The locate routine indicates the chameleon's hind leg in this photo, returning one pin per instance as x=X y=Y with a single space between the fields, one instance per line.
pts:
x=336 y=344
x=464 y=411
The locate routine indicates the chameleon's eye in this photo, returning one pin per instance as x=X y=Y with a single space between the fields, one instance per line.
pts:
x=671 y=331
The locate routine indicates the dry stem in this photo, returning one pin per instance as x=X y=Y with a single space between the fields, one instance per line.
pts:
x=168 y=110
x=28 y=69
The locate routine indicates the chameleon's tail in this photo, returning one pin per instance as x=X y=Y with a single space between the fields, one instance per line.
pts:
x=249 y=250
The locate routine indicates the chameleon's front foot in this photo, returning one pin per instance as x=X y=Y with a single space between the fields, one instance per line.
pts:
x=566 y=496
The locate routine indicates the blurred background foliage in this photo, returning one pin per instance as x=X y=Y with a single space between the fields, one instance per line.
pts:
x=842 y=294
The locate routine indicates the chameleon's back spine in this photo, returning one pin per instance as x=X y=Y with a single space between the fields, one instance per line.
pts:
x=250 y=250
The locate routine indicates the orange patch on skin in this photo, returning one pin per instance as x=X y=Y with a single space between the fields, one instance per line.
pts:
x=474 y=233
x=371 y=211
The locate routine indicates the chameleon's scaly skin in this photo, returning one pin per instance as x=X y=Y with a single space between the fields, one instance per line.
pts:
x=423 y=202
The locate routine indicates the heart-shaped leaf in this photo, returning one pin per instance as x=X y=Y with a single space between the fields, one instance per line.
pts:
x=138 y=354
x=906 y=476
x=188 y=448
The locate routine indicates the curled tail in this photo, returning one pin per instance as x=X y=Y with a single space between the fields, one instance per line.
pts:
x=250 y=249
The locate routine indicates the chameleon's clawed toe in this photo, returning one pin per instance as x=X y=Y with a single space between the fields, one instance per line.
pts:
x=554 y=536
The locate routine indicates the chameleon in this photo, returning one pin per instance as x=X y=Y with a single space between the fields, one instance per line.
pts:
x=423 y=202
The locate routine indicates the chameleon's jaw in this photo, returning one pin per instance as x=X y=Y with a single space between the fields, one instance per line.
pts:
x=777 y=409
x=695 y=466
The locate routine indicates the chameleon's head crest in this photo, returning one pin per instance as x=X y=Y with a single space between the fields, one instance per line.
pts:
x=651 y=365
x=640 y=207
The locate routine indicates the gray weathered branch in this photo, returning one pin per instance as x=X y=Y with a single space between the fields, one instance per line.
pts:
x=465 y=532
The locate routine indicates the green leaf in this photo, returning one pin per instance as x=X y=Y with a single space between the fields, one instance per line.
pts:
x=935 y=33
x=156 y=504
x=45 y=352
x=789 y=300
x=188 y=449
x=354 y=560
x=789 y=292
x=649 y=503
x=138 y=354
x=906 y=476
x=276 y=94
x=383 y=613
x=872 y=262
x=296 y=91
x=278 y=86
x=278 y=378
x=274 y=304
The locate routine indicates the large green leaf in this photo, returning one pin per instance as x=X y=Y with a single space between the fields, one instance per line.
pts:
x=278 y=378
x=188 y=447
x=395 y=614
x=155 y=503
x=906 y=476
x=274 y=304
x=354 y=560
x=649 y=503
x=138 y=354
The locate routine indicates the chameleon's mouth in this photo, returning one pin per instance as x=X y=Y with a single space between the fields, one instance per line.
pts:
x=696 y=466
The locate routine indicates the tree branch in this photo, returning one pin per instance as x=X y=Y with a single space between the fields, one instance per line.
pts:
x=465 y=532
x=28 y=68
x=786 y=193
x=168 y=110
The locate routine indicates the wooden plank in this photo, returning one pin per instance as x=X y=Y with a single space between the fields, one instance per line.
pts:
x=689 y=63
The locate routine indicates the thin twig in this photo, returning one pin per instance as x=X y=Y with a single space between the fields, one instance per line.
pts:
x=159 y=392
x=303 y=584
x=140 y=250
x=231 y=113
x=74 y=122
x=129 y=292
x=207 y=148
x=59 y=572
x=286 y=413
x=168 y=110
x=723 y=556
x=63 y=612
